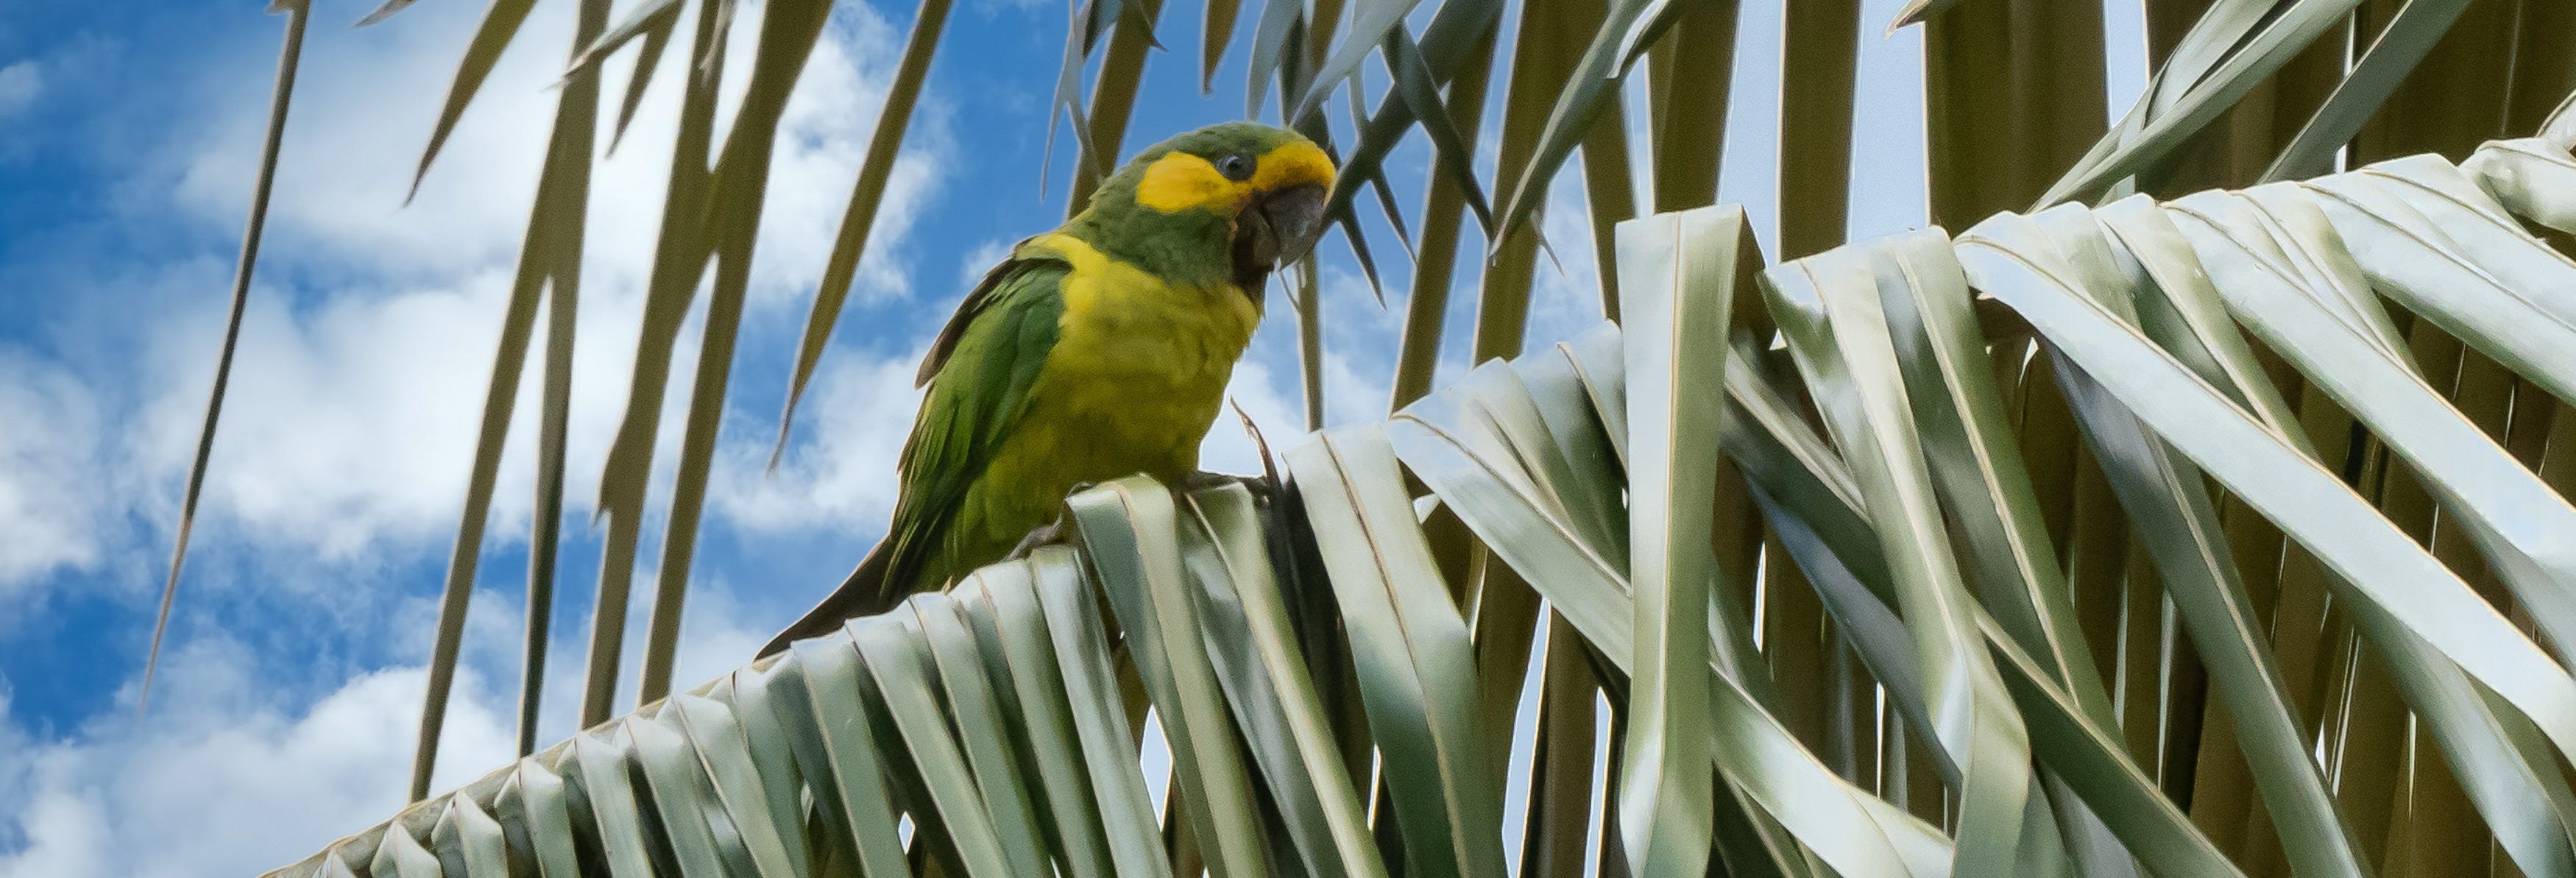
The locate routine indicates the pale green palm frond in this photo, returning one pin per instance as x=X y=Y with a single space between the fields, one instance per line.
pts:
x=990 y=715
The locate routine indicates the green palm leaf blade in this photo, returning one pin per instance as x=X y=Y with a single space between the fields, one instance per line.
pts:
x=867 y=195
x=1554 y=830
x=1849 y=829
x=1565 y=408
x=1279 y=19
x=1492 y=411
x=469 y=842
x=1827 y=307
x=531 y=806
x=290 y=58
x=549 y=259
x=1255 y=649
x=896 y=661
x=500 y=25
x=2097 y=767
x=2086 y=756
x=978 y=716
x=2234 y=47
x=789 y=31
x=2310 y=504
x=1002 y=604
x=1586 y=91
x=1436 y=259
x=1099 y=716
x=2077 y=753
x=598 y=769
x=1511 y=520
x=774 y=841
x=1128 y=530
x=1089 y=21
x=2400 y=46
x=2532 y=177
x=1690 y=84
x=400 y=856
x=1113 y=101
x=680 y=255
x=645 y=20
x=2177 y=521
x=1216 y=32
x=2527 y=532
x=331 y=866
x=657 y=23
x=1978 y=468
x=2560 y=127
x=2423 y=234
x=1458 y=33
x=1810 y=501
x=562 y=204
x=1415 y=658
x=1592 y=497
x=745 y=694
x=1418 y=87
x=1372 y=22
x=2488 y=746
x=678 y=790
x=838 y=752
x=1677 y=274
x=1599 y=362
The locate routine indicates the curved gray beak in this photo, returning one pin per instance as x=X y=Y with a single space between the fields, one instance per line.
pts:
x=1280 y=227
x=1295 y=217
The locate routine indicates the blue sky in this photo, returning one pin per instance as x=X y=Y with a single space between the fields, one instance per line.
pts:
x=284 y=716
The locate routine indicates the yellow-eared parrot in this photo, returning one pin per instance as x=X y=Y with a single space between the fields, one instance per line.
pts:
x=1095 y=351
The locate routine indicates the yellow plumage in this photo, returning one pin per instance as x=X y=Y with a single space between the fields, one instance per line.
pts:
x=1094 y=352
x=1137 y=374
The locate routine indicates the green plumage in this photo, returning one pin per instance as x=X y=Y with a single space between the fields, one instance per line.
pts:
x=1093 y=352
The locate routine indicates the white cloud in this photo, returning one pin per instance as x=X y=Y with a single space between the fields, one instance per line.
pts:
x=222 y=785
x=351 y=417
x=50 y=514
x=1565 y=295
x=350 y=423
x=231 y=774
x=20 y=84
x=839 y=474
x=970 y=270
x=1276 y=408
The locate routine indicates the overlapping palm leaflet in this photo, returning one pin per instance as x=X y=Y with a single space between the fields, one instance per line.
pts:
x=2126 y=528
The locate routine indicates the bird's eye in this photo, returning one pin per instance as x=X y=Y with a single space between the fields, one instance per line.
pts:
x=1235 y=167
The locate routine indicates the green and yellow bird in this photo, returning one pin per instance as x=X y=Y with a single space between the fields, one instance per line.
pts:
x=1096 y=351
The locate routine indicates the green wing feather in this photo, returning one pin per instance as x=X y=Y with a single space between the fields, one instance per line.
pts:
x=979 y=384
x=979 y=373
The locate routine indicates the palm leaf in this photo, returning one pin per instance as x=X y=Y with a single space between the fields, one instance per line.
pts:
x=2141 y=309
x=289 y=58
x=1967 y=602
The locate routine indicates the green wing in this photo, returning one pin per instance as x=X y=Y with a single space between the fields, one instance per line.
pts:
x=979 y=373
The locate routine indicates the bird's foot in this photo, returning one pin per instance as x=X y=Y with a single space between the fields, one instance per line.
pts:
x=1047 y=534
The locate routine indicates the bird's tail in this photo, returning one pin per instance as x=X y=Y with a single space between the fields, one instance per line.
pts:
x=863 y=593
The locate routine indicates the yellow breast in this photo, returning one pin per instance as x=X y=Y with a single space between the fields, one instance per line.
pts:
x=1137 y=374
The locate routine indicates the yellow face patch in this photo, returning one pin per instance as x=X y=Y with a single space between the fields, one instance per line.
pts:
x=1292 y=164
x=1180 y=181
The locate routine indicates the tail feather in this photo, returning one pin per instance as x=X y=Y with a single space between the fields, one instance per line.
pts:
x=865 y=592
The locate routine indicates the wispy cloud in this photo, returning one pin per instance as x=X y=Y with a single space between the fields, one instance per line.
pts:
x=289 y=697
x=20 y=83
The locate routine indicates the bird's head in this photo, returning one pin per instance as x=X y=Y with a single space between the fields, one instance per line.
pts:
x=1226 y=203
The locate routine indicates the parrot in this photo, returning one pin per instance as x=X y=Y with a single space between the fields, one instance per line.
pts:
x=1096 y=351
